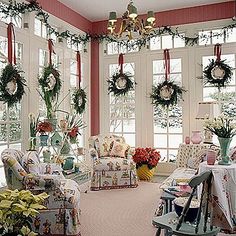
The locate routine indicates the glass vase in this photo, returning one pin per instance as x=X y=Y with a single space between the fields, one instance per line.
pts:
x=224 y=151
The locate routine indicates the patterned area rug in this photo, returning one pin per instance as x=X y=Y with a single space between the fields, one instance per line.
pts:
x=126 y=212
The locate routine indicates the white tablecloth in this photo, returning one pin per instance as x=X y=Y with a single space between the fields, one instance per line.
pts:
x=223 y=192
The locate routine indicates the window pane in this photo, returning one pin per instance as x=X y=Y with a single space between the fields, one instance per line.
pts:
x=15 y=112
x=115 y=126
x=177 y=78
x=173 y=154
x=218 y=36
x=158 y=79
x=3 y=133
x=160 y=140
x=160 y=126
x=112 y=48
x=3 y=111
x=15 y=132
x=163 y=153
x=179 y=42
x=231 y=35
x=129 y=111
x=229 y=108
x=73 y=79
x=155 y=43
x=37 y=27
x=175 y=140
x=2 y=178
x=204 y=38
x=129 y=125
x=175 y=65
x=158 y=67
x=130 y=139
x=166 y=41
x=116 y=112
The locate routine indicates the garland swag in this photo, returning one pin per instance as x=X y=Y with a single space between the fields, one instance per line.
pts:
x=13 y=9
x=11 y=85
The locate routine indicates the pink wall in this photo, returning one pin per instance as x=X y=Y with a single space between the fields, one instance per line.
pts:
x=173 y=17
x=63 y=12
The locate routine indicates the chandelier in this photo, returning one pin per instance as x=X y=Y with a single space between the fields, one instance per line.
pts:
x=131 y=24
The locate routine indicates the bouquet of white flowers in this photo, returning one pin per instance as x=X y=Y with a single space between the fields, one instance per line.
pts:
x=221 y=126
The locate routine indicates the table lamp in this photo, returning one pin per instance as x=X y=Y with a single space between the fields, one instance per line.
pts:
x=207 y=110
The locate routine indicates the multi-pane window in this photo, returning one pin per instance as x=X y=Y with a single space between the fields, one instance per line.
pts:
x=168 y=126
x=166 y=41
x=122 y=108
x=72 y=45
x=226 y=97
x=10 y=117
x=74 y=83
x=40 y=30
x=208 y=37
x=115 y=48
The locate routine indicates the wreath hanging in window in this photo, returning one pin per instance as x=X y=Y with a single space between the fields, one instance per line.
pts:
x=217 y=73
x=166 y=93
x=79 y=96
x=11 y=81
x=121 y=83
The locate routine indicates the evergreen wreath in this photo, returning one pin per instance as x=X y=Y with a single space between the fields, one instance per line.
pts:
x=217 y=73
x=11 y=85
x=79 y=99
x=166 y=93
x=120 y=83
x=50 y=81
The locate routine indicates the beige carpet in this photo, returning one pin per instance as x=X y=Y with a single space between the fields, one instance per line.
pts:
x=123 y=212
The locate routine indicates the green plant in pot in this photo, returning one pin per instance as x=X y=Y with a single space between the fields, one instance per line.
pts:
x=17 y=209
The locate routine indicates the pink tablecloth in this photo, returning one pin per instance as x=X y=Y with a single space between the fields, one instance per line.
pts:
x=223 y=194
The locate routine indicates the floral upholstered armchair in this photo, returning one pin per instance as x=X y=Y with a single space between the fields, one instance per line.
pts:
x=24 y=171
x=113 y=167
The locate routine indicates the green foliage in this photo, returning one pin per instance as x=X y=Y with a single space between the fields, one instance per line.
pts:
x=17 y=208
x=175 y=96
x=79 y=99
x=11 y=74
x=114 y=88
x=221 y=82
x=13 y=9
x=49 y=95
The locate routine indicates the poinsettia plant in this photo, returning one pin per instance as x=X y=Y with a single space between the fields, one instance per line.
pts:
x=148 y=156
x=44 y=126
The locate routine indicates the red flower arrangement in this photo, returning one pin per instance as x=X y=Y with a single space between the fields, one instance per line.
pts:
x=44 y=127
x=148 y=156
x=74 y=132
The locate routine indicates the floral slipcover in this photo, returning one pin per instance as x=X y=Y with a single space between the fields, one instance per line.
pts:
x=110 y=171
x=62 y=216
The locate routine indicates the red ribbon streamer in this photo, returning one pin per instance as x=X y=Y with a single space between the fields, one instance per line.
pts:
x=10 y=36
x=217 y=51
x=167 y=63
x=51 y=50
x=121 y=62
x=78 y=59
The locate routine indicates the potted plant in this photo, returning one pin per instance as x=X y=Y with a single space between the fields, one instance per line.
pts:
x=146 y=160
x=16 y=211
x=43 y=128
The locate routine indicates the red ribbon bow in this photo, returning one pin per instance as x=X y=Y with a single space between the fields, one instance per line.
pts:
x=10 y=36
x=217 y=51
x=121 y=62
x=78 y=59
x=167 y=63
x=51 y=50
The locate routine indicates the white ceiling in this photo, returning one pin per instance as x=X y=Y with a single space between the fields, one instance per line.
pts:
x=96 y=10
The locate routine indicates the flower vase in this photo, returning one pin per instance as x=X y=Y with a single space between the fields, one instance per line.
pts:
x=196 y=137
x=144 y=173
x=43 y=140
x=224 y=151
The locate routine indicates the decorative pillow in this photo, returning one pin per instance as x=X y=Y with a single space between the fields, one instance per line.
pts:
x=193 y=162
x=30 y=162
x=119 y=149
x=104 y=145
